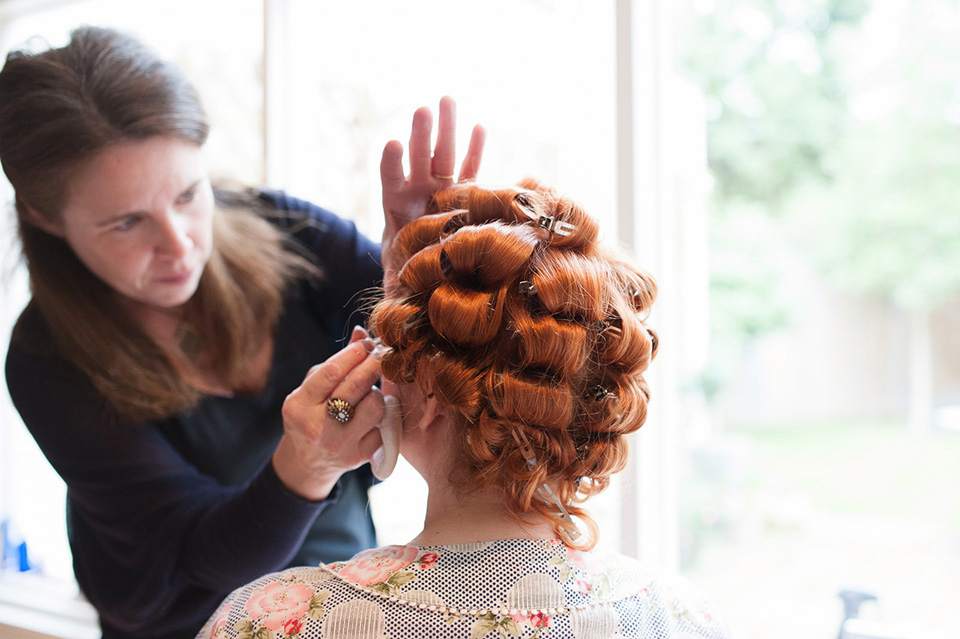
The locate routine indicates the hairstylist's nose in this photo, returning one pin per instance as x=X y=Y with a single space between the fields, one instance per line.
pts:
x=174 y=240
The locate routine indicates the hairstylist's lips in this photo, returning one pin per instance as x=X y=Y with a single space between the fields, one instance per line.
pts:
x=178 y=279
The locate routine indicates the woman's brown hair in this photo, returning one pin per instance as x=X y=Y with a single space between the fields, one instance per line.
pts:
x=60 y=107
x=509 y=312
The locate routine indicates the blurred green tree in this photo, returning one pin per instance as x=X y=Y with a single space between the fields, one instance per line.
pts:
x=888 y=222
x=776 y=100
x=820 y=119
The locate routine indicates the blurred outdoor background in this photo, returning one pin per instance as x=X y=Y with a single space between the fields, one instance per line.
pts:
x=788 y=169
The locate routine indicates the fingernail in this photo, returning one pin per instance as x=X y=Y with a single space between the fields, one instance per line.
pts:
x=359 y=328
x=368 y=344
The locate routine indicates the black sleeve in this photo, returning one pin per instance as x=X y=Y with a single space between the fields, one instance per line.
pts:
x=136 y=505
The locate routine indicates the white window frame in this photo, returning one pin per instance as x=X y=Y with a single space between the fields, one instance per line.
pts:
x=658 y=202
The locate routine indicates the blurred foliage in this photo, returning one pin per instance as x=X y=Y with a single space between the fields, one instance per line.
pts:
x=888 y=221
x=771 y=72
x=820 y=123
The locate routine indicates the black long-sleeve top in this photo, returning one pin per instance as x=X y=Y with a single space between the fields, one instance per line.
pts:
x=167 y=517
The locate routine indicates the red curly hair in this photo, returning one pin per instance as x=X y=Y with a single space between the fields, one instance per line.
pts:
x=509 y=312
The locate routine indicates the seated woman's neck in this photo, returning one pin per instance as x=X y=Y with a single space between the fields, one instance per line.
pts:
x=454 y=518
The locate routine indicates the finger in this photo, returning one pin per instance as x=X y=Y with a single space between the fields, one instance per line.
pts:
x=358 y=383
x=471 y=162
x=420 y=144
x=358 y=333
x=322 y=379
x=391 y=168
x=445 y=151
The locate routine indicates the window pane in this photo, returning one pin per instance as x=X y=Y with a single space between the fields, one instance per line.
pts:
x=224 y=64
x=835 y=372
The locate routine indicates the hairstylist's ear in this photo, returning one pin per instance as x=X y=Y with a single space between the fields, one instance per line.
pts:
x=42 y=222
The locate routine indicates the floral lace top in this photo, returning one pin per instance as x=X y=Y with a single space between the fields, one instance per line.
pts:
x=514 y=589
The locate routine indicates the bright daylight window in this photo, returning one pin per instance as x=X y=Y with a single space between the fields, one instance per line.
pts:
x=834 y=377
x=814 y=447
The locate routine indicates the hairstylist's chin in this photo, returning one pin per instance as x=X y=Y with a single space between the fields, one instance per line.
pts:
x=385 y=458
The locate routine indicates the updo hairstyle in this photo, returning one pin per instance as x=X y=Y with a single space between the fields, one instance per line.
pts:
x=510 y=313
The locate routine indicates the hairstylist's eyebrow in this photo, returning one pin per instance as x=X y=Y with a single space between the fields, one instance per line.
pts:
x=115 y=219
x=119 y=217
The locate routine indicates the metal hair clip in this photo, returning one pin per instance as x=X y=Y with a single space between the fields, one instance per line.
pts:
x=527 y=288
x=546 y=493
x=554 y=225
x=598 y=393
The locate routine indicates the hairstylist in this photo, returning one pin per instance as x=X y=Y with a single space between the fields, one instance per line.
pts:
x=169 y=324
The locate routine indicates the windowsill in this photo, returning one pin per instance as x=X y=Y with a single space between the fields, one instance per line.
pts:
x=40 y=608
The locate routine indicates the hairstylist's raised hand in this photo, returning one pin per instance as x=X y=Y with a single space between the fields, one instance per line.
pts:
x=319 y=443
x=405 y=197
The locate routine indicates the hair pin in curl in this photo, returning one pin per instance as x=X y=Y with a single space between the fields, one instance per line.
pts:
x=598 y=393
x=411 y=323
x=635 y=297
x=446 y=266
x=608 y=326
x=528 y=288
x=492 y=303
x=553 y=225
x=455 y=222
x=379 y=348
x=546 y=493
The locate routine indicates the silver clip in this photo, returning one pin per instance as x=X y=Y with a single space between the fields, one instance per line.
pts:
x=553 y=225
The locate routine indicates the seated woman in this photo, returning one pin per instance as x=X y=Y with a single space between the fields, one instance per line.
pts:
x=517 y=345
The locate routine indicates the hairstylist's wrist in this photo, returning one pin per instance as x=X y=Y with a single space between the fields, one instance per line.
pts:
x=308 y=483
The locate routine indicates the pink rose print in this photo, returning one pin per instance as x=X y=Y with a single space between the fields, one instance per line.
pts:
x=375 y=566
x=585 y=587
x=292 y=627
x=278 y=603
x=539 y=620
x=577 y=558
x=429 y=558
x=219 y=623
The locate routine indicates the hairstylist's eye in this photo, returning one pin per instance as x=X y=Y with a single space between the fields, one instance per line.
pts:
x=127 y=223
x=187 y=196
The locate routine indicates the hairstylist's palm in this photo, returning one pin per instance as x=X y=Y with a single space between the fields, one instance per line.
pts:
x=405 y=197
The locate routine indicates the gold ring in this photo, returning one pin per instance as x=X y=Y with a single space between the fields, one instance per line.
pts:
x=442 y=177
x=339 y=409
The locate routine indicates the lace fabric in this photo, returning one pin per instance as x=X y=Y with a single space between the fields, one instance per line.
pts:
x=512 y=588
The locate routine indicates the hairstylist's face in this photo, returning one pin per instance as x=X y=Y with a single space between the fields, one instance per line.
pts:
x=139 y=215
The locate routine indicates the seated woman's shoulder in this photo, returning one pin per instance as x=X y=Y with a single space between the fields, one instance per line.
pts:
x=660 y=604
